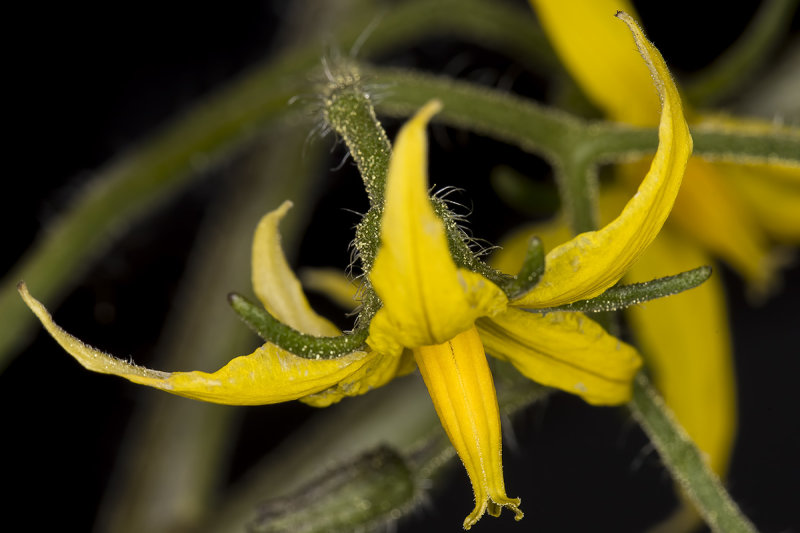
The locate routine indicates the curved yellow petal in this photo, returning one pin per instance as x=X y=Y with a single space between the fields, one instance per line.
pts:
x=773 y=194
x=600 y=57
x=594 y=261
x=564 y=350
x=268 y=375
x=709 y=209
x=461 y=387
x=376 y=372
x=333 y=284
x=686 y=343
x=276 y=285
x=426 y=298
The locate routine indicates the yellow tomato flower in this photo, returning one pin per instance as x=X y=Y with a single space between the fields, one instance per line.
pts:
x=725 y=210
x=442 y=316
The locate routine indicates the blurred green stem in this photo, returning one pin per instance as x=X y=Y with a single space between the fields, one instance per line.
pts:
x=738 y=64
x=400 y=415
x=221 y=124
x=557 y=136
x=175 y=453
x=685 y=462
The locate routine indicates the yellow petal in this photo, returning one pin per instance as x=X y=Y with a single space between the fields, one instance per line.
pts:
x=773 y=193
x=564 y=350
x=594 y=261
x=426 y=298
x=276 y=285
x=712 y=212
x=376 y=372
x=686 y=343
x=461 y=387
x=333 y=284
x=268 y=375
x=600 y=57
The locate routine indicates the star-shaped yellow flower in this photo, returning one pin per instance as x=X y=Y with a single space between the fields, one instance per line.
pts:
x=442 y=316
x=725 y=210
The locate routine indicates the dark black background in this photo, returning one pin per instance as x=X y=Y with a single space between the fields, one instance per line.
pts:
x=85 y=83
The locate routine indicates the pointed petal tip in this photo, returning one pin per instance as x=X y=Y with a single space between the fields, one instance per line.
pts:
x=34 y=304
x=430 y=109
x=276 y=285
x=284 y=207
x=426 y=113
x=590 y=263
x=492 y=507
x=620 y=14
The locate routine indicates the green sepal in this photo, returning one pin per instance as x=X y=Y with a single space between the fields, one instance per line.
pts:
x=529 y=273
x=273 y=330
x=624 y=296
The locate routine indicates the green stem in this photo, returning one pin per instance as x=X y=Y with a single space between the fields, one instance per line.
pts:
x=605 y=142
x=556 y=135
x=577 y=182
x=349 y=111
x=678 y=452
x=217 y=126
x=747 y=55
x=685 y=461
x=176 y=451
x=399 y=415
x=497 y=114
x=361 y=494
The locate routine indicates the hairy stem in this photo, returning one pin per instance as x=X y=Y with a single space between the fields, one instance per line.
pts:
x=685 y=462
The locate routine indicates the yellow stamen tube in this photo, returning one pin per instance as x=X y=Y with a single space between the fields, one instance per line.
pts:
x=461 y=386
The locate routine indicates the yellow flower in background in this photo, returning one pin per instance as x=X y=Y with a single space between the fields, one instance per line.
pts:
x=724 y=210
x=442 y=316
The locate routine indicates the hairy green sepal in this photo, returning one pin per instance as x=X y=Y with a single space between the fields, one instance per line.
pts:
x=273 y=330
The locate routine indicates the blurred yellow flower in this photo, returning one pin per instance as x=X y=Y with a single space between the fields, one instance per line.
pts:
x=725 y=210
x=442 y=316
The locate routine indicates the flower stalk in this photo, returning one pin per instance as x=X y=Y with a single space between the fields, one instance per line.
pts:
x=348 y=110
x=685 y=462
x=556 y=135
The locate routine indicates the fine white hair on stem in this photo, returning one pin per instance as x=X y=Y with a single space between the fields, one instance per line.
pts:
x=365 y=34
